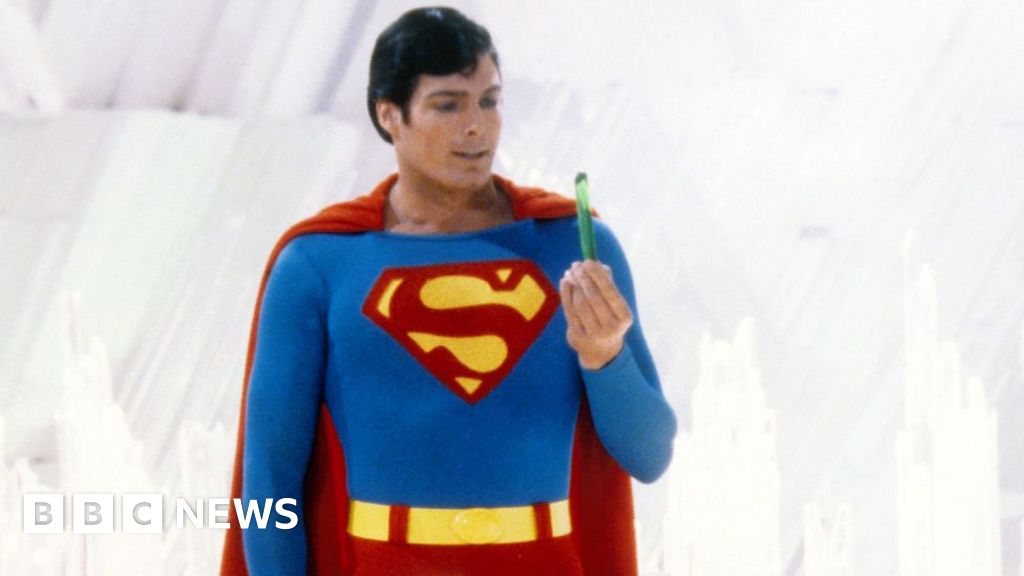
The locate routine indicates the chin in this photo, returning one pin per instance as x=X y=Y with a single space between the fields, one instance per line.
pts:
x=469 y=181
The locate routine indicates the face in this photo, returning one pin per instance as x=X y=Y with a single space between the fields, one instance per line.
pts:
x=454 y=123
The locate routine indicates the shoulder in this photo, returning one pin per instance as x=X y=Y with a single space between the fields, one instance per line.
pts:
x=358 y=214
x=531 y=202
x=296 y=256
x=609 y=249
x=602 y=231
x=306 y=254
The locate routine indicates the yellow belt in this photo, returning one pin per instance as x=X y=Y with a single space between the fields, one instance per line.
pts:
x=454 y=526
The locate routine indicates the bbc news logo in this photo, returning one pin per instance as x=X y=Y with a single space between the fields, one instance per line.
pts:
x=94 y=513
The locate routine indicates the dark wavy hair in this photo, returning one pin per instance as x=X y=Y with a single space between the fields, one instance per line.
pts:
x=436 y=41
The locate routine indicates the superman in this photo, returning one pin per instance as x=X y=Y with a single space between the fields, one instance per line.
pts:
x=433 y=374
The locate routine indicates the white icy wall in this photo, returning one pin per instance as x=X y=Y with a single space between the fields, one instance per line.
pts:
x=758 y=159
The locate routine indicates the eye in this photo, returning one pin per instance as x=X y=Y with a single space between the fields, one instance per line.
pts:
x=448 y=106
x=489 y=102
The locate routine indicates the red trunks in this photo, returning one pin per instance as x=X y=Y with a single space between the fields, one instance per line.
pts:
x=545 y=557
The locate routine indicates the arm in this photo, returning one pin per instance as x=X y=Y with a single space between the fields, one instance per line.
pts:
x=283 y=403
x=634 y=422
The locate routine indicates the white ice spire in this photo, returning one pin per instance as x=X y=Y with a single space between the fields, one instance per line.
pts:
x=828 y=545
x=947 y=463
x=98 y=453
x=205 y=458
x=22 y=553
x=723 y=512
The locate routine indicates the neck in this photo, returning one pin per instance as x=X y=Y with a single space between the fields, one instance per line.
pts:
x=415 y=205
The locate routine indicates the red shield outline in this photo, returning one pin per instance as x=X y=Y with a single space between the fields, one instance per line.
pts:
x=467 y=323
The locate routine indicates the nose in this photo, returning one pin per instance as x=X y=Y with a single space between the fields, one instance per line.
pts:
x=475 y=122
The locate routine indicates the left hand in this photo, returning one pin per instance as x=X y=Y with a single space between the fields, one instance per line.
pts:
x=597 y=314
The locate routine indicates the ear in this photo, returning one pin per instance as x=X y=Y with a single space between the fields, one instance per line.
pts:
x=390 y=116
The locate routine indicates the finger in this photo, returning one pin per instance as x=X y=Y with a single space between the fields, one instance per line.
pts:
x=584 y=311
x=572 y=318
x=601 y=276
x=592 y=305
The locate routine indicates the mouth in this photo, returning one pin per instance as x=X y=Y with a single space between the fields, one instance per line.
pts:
x=471 y=155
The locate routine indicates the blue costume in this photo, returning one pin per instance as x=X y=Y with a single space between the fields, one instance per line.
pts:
x=443 y=363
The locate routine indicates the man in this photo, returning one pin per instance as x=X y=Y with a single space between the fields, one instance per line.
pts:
x=418 y=383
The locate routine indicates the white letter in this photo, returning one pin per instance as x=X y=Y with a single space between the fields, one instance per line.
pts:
x=282 y=511
x=181 y=509
x=261 y=514
x=218 y=517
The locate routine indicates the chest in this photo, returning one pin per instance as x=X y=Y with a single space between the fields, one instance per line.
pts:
x=451 y=330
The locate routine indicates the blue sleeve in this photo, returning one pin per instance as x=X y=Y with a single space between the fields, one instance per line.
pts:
x=634 y=422
x=282 y=408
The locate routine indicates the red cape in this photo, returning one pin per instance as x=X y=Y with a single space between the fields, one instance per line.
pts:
x=600 y=497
